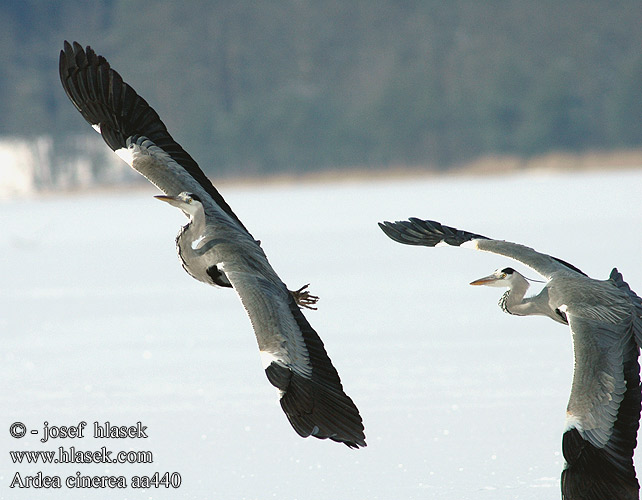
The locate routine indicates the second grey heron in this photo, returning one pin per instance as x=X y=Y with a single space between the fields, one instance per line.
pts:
x=605 y=319
x=216 y=248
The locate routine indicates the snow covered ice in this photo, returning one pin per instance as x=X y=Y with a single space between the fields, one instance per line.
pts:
x=460 y=401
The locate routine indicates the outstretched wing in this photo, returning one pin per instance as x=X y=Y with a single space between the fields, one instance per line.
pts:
x=131 y=128
x=430 y=233
x=293 y=355
x=603 y=410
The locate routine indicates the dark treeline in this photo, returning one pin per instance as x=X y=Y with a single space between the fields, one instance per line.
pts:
x=300 y=85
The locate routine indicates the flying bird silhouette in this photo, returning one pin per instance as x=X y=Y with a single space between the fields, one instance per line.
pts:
x=216 y=248
x=605 y=319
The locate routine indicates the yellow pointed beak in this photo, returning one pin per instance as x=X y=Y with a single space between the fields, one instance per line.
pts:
x=484 y=281
x=166 y=198
x=172 y=200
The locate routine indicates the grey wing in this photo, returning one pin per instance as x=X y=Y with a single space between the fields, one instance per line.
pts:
x=295 y=360
x=131 y=127
x=636 y=302
x=603 y=411
x=431 y=233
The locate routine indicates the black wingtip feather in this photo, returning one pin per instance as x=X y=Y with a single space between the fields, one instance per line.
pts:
x=428 y=233
x=590 y=475
x=319 y=411
x=103 y=98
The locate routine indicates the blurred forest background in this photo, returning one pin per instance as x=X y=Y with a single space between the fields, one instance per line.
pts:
x=303 y=85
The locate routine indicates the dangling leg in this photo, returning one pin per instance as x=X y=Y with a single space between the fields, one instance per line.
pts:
x=304 y=298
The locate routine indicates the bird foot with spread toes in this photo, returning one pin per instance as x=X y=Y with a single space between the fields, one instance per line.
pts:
x=304 y=298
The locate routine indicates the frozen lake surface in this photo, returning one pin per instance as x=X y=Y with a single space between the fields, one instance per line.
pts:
x=460 y=401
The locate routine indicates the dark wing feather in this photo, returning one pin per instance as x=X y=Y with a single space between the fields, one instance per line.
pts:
x=123 y=117
x=426 y=232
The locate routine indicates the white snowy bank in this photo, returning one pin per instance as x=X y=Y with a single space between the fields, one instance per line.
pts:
x=460 y=401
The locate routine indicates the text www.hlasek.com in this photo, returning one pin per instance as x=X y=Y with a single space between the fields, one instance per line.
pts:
x=73 y=456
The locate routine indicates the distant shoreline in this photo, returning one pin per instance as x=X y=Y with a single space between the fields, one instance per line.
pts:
x=486 y=165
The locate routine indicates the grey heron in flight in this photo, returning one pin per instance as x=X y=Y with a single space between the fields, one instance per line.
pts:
x=216 y=248
x=605 y=319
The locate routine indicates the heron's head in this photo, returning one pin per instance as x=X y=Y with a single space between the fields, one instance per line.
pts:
x=189 y=203
x=500 y=278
